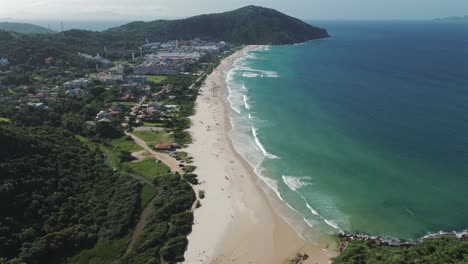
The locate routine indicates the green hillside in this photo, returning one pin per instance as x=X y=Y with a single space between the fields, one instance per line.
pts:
x=248 y=25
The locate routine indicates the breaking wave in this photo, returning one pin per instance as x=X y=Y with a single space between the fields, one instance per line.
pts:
x=261 y=147
x=295 y=183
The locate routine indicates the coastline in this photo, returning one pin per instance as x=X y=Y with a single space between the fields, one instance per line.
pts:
x=241 y=220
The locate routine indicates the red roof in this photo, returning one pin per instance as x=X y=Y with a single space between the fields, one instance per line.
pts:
x=114 y=112
x=163 y=146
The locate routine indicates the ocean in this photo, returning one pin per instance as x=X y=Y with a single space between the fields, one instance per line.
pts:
x=364 y=132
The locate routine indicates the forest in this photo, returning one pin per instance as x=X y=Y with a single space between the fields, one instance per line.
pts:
x=58 y=196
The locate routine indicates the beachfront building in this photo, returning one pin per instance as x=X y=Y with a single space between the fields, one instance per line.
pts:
x=77 y=84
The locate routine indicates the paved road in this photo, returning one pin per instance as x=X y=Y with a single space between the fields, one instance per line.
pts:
x=138 y=106
x=193 y=84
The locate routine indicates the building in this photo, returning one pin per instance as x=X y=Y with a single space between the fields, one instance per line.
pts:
x=75 y=92
x=136 y=79
x=103 y=115
x=109 y=78
x=49 y=61
x=77 y=84
x=163 y=147
x=3 y=61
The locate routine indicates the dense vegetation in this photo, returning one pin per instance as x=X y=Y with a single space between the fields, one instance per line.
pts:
x=24 y=28
x=248 y=25
x=164 y=238
x=57 y=196
x=434 y=251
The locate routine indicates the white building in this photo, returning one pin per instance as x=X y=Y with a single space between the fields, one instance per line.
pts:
x=75 y=92
x=77 y=84
x=4 y=61
x=103 y=115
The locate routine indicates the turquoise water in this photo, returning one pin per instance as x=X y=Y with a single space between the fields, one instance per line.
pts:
x=363 y=132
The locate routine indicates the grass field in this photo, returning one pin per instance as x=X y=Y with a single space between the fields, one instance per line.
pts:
x=156 y=78
x=4 y=119
x=124 y=144
x=147 y=193
x=101 y=253
x=149 y=168
x=113 y=152
x=154 y=137
x=152 y=124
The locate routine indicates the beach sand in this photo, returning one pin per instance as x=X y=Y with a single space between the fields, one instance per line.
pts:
x=238 y=222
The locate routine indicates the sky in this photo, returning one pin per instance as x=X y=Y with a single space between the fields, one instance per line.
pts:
x=129 y=10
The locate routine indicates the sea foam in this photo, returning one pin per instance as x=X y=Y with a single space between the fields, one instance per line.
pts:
x=295 y=183
x=246 y=104
x=261 y=147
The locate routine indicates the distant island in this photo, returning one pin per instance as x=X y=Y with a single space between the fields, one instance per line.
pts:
x=24 y=28
x=454 y=19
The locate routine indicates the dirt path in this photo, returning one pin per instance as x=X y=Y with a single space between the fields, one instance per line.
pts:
x=140 y=225
x=172 y=163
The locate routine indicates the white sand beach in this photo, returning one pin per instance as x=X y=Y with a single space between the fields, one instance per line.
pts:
x=237 y=222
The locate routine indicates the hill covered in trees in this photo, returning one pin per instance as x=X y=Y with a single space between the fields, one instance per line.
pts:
x=24 y=28
x=58 y=196
x=248 y=25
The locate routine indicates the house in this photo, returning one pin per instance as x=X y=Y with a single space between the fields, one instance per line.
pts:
x=114 y=113
x=103 y=115
x=105 y=120
x=163 y=146
x=156 y=106
x=117 y=107
x=130 y=88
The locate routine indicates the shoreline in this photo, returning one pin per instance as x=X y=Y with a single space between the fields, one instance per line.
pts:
x=241 y=220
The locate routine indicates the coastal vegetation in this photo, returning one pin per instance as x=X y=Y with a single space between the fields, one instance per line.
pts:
x=149 y=168
x=431 y=251
x=164 y=237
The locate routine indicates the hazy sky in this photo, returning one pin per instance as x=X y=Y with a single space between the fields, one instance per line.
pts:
x=153 y=9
